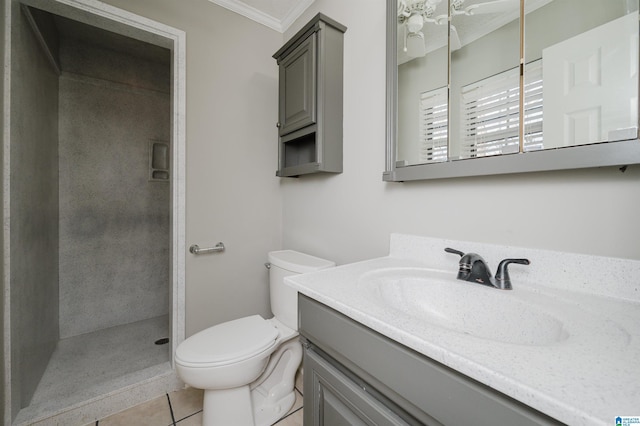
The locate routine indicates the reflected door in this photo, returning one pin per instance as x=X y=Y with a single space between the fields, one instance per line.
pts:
x=590 y=84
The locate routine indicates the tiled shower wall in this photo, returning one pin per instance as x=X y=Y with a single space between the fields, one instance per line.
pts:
x=33 y=193
x=114 y=222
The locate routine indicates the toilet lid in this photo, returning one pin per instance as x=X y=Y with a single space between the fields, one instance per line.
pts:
x=228 y=342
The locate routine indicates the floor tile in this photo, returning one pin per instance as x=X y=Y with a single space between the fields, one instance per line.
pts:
x=187 y=410
x=294 y=419
x=195 y=420
x=186 y=402
x=297 y=404
x=153 y=413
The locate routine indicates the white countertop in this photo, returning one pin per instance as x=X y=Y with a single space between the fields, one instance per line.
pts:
x=588 y=377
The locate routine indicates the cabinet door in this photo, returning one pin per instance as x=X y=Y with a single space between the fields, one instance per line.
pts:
x=332 y=399
x=297 y=90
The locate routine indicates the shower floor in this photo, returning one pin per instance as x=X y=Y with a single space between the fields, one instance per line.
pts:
x=91 y=365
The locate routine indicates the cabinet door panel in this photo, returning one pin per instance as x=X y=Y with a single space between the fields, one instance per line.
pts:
x=297 y=107
x=334 y=411
x=336 y=400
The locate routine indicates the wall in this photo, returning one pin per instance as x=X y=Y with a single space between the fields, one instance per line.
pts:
x=349 y=217
x=232 y=192
x=33 y=211
x=114 y=222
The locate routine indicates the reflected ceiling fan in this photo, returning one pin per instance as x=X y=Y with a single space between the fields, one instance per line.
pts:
x=413 y=14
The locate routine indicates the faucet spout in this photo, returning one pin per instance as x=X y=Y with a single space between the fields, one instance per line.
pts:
x=473 y=268
x=476 y=269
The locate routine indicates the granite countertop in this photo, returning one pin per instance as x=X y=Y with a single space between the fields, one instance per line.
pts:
x=587 y=373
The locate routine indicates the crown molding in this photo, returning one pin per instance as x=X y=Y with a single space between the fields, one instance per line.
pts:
x=280 y=25
x=295 y=13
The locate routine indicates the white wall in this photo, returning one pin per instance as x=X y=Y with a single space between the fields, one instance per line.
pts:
x=348 y=217
x=232 y=192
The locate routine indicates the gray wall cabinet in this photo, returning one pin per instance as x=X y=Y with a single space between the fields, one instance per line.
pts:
x=310 y=99
x=355 y=376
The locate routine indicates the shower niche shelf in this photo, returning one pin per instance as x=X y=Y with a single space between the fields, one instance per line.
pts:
x=310 y=99
x=158 y=161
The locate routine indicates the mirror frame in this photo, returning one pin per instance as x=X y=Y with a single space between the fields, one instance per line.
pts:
x=617 y=153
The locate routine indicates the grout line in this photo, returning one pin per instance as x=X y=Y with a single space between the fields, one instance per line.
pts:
x=190 y=415
x=173 y=419
x=290 y=414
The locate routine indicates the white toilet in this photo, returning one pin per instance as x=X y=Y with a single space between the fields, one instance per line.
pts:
x=247 y=367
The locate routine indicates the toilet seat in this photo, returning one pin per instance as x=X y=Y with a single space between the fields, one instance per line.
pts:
x=227 y=343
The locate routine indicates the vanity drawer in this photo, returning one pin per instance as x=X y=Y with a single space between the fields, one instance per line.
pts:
x=425 y=389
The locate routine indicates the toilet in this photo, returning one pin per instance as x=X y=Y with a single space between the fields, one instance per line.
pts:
x=247 y=366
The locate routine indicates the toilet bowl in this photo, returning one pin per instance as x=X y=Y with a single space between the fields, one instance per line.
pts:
x=247 y=366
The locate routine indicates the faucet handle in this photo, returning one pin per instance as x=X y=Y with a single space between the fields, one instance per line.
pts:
x=502 y=278
x=454 y=251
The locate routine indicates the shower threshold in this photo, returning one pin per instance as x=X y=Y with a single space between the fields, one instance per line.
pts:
x=94 y=366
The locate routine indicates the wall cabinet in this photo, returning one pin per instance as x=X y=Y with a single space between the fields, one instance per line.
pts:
x=310 y=99
x=297 y=90
x=355 y=376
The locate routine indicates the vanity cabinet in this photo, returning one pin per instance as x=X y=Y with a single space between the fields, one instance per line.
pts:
x=310 y=99
x=337 y=398
x=356 y=376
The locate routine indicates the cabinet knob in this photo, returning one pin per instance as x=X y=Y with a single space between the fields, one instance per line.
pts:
x=278 y=125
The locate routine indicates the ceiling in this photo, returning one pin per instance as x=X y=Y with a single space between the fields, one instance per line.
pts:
x=275 y=14
x=88 y=34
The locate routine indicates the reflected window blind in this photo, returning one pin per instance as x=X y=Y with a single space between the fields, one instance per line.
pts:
x=533 y=106
x=433 y=125
x=490 y=113
x=490 y=116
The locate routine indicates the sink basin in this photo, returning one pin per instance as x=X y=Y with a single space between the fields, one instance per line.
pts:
x=440 y=300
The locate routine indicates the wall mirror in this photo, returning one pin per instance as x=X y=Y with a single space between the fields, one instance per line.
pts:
x=479 y=87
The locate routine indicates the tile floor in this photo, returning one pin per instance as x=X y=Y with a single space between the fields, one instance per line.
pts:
x=184 y=408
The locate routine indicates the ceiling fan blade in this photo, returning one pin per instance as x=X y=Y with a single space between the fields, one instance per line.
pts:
x=440 y=19
x=454 y=39
x=403 y=10
x=496 y=6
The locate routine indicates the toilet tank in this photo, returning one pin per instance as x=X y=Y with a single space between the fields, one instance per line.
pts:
x=284 y=299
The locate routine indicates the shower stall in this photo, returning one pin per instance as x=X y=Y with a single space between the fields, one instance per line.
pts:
x=90 y=270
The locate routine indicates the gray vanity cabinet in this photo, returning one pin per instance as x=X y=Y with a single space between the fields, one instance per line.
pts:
x=355 y=376
x=310 y=99
x=337 y=399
